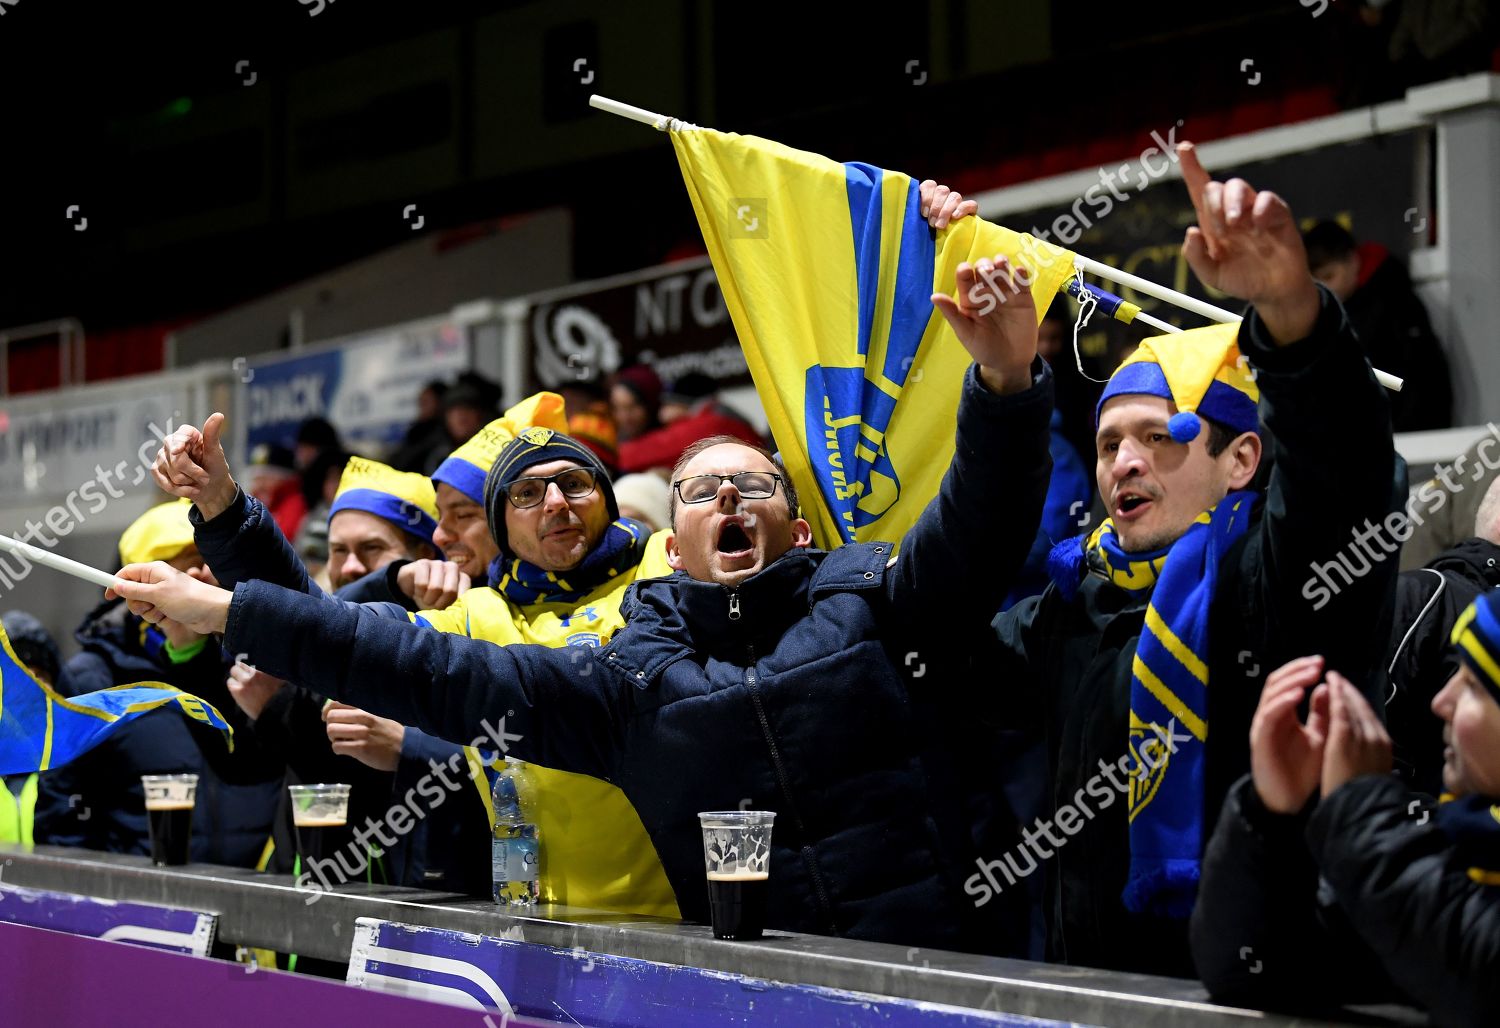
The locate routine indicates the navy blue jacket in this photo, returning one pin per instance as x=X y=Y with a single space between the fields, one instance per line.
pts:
x=96 y=800
x=818 y=701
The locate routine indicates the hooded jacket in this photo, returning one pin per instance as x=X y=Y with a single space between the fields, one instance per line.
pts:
x=826 y=687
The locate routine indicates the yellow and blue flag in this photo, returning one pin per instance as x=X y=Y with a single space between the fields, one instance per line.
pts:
x=42 y=729
x=828 y=271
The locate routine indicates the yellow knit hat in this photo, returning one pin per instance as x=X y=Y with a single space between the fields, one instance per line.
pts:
x=403 y=498
x=161 y=533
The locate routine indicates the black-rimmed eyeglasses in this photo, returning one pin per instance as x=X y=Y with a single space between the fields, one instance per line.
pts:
x=575 y=484
x=752 y=485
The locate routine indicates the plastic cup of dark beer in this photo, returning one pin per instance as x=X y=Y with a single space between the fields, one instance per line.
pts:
x=169 y=816
x=737 y=852
x=319 y=812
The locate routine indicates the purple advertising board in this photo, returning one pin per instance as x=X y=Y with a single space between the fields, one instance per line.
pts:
x=168 y=928
x=573 y=987
x=51 y=978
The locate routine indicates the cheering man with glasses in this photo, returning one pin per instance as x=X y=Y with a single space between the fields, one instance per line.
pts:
x=763 y=673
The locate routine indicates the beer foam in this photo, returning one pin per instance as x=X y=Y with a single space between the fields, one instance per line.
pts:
x=169 y=804
x=738 y=876
x=336 y=821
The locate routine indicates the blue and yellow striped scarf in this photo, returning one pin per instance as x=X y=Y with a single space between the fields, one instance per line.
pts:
x=1168 y=692
x=524 y=584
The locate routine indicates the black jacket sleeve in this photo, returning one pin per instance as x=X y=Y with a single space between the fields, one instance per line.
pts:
x=1334 y=473
x=244 y=543
x=532 y=701
x=379 y=586
x=1260 y=936
x=961 y=556
x=1436 y=931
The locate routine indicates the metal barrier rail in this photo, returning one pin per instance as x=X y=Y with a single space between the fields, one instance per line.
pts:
x=267 y=911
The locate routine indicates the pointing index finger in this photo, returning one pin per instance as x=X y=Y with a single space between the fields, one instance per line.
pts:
x=1193 y=174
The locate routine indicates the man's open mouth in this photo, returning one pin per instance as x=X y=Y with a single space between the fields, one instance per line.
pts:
x=734 y=541
x=1129 y=504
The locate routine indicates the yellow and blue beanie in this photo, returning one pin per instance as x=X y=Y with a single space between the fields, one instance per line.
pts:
x=1476 y=633
x=161 y=533
x=1201 y=371
x=403 y=498
x=466 y=467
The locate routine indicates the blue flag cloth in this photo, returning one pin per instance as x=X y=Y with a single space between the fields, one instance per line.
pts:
x=42 y=729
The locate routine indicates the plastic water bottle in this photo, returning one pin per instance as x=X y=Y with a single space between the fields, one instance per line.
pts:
x=515 y=858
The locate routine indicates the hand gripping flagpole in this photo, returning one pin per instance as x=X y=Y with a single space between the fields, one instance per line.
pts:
x=56 y=561
x=663 y=123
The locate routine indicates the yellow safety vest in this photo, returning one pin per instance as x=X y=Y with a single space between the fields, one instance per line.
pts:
x=597 y=852
x=18 y=812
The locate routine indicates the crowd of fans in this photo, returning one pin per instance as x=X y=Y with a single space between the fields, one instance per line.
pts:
x=668 y=641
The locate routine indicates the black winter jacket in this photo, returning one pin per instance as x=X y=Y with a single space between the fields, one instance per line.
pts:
x=1064 y=668
x=810 y=690
x=1359 y=899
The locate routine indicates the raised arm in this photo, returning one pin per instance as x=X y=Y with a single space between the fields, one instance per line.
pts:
x=235 y=533
x=1334 y=473
x=961 y=556
x=557 y=707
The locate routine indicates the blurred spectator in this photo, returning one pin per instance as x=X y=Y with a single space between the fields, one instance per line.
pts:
x=1387 y=46
x=426 y=433
x=689 y=412
x=33 y=646
x=273 y=480
x=320 y=484
x=313 y=437
x=96 y=801
x=645 y=498
x=472 y=403
x=1438 y=39
x=1390 y=321
x=584 y=395
x=591 y=421
x=635 y=397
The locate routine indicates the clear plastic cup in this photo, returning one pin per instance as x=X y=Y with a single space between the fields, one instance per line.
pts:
x=169 y=816
x=320 y=813
x=737 y=856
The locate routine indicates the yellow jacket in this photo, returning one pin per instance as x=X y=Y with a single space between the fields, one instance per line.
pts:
x=595 y=851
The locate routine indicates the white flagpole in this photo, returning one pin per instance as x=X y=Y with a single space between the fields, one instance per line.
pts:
x=1189 y=303
x=1141 y=285
x=663 y=123
x=56 y=562
x=660 y=122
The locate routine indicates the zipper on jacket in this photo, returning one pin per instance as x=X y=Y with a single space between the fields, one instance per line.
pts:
x=765 y=726
x=734 y=609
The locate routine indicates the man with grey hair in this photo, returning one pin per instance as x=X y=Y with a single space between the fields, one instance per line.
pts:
x=1429 y=600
